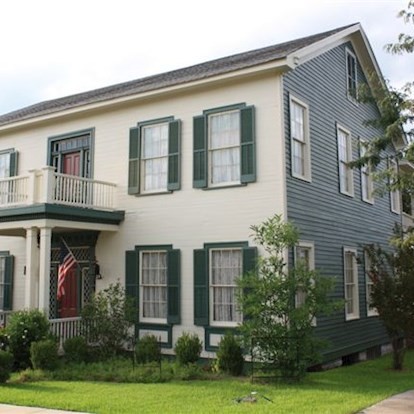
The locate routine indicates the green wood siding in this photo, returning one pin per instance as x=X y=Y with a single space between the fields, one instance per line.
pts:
x=322 y=214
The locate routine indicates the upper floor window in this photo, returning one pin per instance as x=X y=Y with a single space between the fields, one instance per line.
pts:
x=351 y=75
x=71 y=153
x=351 y=284
x=346 y=176
x=395 y=194
x=366 y=179
x=224 y=147
x=154 y=157
x=299 y=134
x=8 y=163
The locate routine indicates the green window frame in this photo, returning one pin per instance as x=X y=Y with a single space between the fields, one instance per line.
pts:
x=6 y=281
x=8 y=163
x=133 y=283
x=202 y=147
x=136 y=175
x=202 y=284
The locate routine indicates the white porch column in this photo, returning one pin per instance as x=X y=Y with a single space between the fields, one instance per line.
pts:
x=44 y=269
x=32 y=268
x=48 y=184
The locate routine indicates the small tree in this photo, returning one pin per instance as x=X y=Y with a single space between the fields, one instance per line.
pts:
x=108 y=318
x=392 y=275
x=279 y=332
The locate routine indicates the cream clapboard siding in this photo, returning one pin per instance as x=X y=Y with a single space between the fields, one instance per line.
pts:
x=187 y=218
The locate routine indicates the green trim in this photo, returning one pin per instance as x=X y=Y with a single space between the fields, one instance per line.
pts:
x=226 y=244
x=4 y=253
x=209 y=330
x=79 y=238
x=149 y=247
x=59 y=212
x=74 y=134
x=155 y=327
x=224 y=108
x=156 y=121
x=223 y=187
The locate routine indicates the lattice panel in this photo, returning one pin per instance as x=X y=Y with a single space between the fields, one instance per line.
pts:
x=88 y=287
x=53 y=291
x=81 y=254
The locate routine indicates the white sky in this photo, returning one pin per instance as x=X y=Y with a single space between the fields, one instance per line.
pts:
x=54 y=48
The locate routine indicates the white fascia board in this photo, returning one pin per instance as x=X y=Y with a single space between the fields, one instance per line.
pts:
x=277 y=66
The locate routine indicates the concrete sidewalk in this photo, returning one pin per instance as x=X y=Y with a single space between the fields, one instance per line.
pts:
x=398 y=404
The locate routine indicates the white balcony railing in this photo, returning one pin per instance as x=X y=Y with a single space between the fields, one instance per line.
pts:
x=47 y=186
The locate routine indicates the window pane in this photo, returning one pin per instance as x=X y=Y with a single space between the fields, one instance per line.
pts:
x=153 y=284
x=298 y=157
x=224 y=130
x=226 y=267
x=4 y=165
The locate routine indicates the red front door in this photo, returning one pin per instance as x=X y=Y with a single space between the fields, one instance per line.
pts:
x=69 y=301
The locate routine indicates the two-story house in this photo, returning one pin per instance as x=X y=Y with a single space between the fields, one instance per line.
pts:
x=155 y=183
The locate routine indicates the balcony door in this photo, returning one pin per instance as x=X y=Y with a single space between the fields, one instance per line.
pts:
x=71 y=163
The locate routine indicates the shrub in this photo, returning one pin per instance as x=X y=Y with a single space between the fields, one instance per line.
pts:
x=23 y=328
x=43 y=354
x=4 y=340
x=76 y=349
x=6 y=365
x=147 y=350
x=108 y=318
x=230 y=355
x=188 y=348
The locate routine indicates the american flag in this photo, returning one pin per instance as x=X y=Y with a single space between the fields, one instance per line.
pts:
x=67 y=261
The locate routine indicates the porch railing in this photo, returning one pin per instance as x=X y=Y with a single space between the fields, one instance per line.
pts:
x=47 y=186
x=65 y=328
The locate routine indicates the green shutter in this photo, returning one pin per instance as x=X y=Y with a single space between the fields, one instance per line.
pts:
x=199 y=152
x=200 y=288
x=173 y=290
x=249 y=259
x=8 y=283
x=248 y=150
x=134 y=155
x=174 y=170
x=132 y=277
x=13 y=163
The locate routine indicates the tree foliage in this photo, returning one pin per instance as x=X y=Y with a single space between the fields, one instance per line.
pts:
x=276 y=330
x=392 y=275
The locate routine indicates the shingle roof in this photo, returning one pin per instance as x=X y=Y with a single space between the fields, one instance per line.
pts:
x=175 y=77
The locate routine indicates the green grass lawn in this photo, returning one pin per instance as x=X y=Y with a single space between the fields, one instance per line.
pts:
x=342 y=390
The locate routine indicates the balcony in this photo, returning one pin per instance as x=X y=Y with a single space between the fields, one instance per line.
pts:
x=46 y=186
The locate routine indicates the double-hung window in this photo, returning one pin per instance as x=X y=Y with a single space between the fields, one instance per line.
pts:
x=153 y=286
x=371 y=311
x=394 y=194
x=216 y=269
x=346 y=176
x=154 y=157
x=152 y=280
x=8 y=168
x=351 y=75
x=300 y=144
x=226 y=266
x=224 y=147
x=6 y=280
x=304 y=256
x=351 y=284
x=366 y=179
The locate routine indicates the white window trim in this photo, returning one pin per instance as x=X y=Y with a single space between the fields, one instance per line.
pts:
x=141 y=291
x=366 y=171
x=350 y=97
x=356 y=313
x=350 y=171
x=395 y=196
x=311 y=246
x=212 y=322
x=307 y=176
x=143 y=160
x=210 y=151
x=368 y=282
